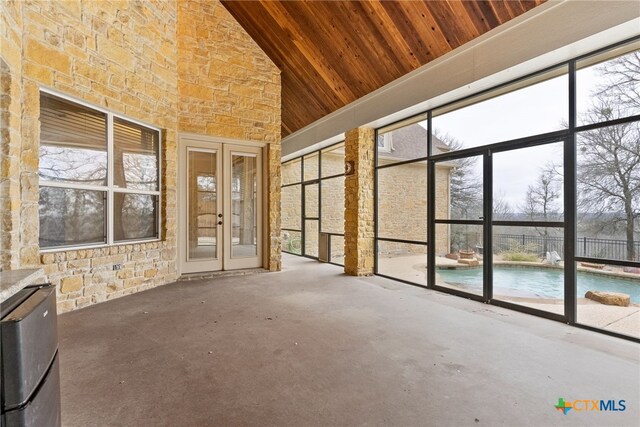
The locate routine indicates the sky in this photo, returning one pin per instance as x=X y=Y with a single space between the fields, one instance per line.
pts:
x=529 y=111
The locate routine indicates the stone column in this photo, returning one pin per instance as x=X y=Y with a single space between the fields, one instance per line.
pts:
x=11 y=21
x=358 y=202
x=273 y=260
x=29 y=182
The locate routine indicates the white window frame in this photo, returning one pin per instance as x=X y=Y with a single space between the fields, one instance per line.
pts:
x=387 y=143
x=110 y=188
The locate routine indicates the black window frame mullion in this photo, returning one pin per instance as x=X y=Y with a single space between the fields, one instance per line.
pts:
x=320 y=196
x=431 y=206
x=570 y=202
x=303 y=245
x=405 y=241
x=487 y=226
x=375 y=203
x=303 y=183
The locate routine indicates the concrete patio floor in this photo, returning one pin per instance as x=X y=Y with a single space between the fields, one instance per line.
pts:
x=311 y=347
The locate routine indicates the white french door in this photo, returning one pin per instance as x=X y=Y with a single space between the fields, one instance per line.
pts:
x=220 y=203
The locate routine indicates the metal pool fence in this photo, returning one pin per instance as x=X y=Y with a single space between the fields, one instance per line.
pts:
x=585 y=246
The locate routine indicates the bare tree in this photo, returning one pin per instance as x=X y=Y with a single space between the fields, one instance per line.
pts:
x=543 y=200
x=609 y=172
x=621 y=81
x=501 y=208
x=609 y=157
x=465 y=195
x=465 y=187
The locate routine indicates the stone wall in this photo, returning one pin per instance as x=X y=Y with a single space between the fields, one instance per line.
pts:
x=273 y=259
x=119 y=56
x=228 y=87
x=402 y=206
x=10 y=130
x=123 y=56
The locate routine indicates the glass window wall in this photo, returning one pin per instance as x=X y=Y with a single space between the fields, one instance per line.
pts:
x=489 y=186
x=313 y=207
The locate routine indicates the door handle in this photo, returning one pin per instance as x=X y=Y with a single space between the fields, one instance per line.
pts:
x=480 y=217
x=219 y=222
x=219 y=215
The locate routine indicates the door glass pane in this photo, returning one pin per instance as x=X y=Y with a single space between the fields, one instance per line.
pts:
x=459 y=189
x=337 y=249
x=528 y=184
x=528 y=266
x=311 y=238
x=459 y=253
x=202 y=205
x=333 y=205
x=244 y=206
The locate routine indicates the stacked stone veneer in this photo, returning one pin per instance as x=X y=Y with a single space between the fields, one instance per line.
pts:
x=85 y=277
x=273 y=255
x=133 y=58
x=402 y=207
x=359 y=202
x=229 y=88
x=10 y=132
x=117 y=56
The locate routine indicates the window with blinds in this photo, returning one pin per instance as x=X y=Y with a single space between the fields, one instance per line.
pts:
x=99 y=177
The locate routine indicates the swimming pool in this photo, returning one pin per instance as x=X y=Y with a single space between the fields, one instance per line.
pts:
x=538 y=282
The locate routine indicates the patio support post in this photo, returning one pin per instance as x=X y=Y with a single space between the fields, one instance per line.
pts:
x=359 y=215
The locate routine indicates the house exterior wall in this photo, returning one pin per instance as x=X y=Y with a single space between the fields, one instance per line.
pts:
x=123 y=56
x=402 y=204
x=229 y=88
x=10 y=131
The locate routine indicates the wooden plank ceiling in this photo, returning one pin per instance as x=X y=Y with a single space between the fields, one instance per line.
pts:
x=333 y=52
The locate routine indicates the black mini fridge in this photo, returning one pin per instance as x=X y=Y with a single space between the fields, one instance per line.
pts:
x=29 y=371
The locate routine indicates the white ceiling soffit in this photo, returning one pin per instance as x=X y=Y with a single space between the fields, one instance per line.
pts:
x=546 y=35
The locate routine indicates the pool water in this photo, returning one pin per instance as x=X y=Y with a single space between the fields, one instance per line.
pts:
x=538 y=282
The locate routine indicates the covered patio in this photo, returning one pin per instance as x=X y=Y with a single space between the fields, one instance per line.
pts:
x=312 y=346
